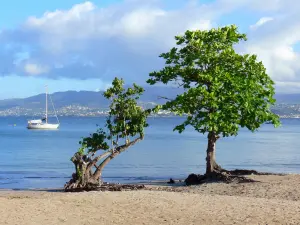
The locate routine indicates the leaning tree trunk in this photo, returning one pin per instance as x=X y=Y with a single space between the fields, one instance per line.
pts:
x=84 y=178
x=211 y=165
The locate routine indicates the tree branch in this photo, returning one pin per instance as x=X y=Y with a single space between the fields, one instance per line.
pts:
x=162 y=97
x=117 y=151
x=95 y=160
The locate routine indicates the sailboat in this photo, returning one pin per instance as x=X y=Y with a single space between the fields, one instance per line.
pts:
x=42 y=124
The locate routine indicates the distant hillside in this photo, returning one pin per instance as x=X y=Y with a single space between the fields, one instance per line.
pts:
x=93 y=99
x=288 y=98
x=89 y=99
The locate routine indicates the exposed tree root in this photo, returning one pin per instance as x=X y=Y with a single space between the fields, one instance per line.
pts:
x=225 y=176
x=78 y=183
x=108 y=187
x=246 y=172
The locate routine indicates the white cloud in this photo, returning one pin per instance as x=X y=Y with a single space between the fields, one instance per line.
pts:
x=202 y=25
x=274 y=40
x=140 y=22
x=125 y=39
x=274 y=37
x=35 y=69
x=85 y=41
x=288 y=87
x=261 y=22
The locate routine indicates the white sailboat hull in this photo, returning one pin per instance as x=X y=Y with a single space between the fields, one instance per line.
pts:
x=43 y=126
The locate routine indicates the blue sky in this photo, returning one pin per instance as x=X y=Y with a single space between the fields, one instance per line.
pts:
x=82 y=45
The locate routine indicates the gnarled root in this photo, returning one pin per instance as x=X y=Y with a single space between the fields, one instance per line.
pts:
x=108 y=187
x=244 y=172
x=79 y=184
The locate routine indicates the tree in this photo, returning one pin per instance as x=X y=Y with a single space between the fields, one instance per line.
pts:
x=126 y=120
x=223 y=90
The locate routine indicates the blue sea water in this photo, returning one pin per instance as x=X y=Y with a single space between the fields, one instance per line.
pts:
x=41 y=159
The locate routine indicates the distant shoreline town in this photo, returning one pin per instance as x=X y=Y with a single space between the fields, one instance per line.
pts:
x=283 y=110
x=72 y=110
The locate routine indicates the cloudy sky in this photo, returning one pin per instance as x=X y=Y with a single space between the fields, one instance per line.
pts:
x=82 y=45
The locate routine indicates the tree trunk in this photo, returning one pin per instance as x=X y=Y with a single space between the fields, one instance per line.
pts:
x=211 y=165
x=98 y=172
x=115 y=153
x=83 y=177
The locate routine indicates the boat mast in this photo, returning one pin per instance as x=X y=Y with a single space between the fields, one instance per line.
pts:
x=46 y=104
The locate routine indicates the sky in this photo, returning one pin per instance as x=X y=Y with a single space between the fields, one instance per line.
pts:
x=83 y=45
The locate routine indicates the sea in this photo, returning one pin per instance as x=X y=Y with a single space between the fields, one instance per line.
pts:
x=37 y=159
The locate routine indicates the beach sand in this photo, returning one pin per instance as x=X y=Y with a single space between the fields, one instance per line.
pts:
x=274 y=200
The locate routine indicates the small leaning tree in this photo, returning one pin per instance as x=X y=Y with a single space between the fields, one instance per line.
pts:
x=223 y=90
x=124 y=127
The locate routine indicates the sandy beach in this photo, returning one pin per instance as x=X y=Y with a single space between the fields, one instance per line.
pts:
x=273 y=200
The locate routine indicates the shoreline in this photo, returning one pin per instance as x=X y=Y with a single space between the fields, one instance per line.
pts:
x=272 y=200
x=179 y=182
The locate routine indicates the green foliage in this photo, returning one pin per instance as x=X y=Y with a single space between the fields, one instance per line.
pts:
x=78 y=172
x=81 y=150
x=125 y=119
x=93 y=143
x=223 y=89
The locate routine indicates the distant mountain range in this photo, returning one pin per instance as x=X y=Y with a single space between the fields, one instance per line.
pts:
x=94 y=99
x=89 y=99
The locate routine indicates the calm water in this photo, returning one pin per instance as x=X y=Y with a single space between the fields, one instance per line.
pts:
x=41 y=159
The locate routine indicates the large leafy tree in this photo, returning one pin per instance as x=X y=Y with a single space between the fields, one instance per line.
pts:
x=124 y=127
x=223 y=90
